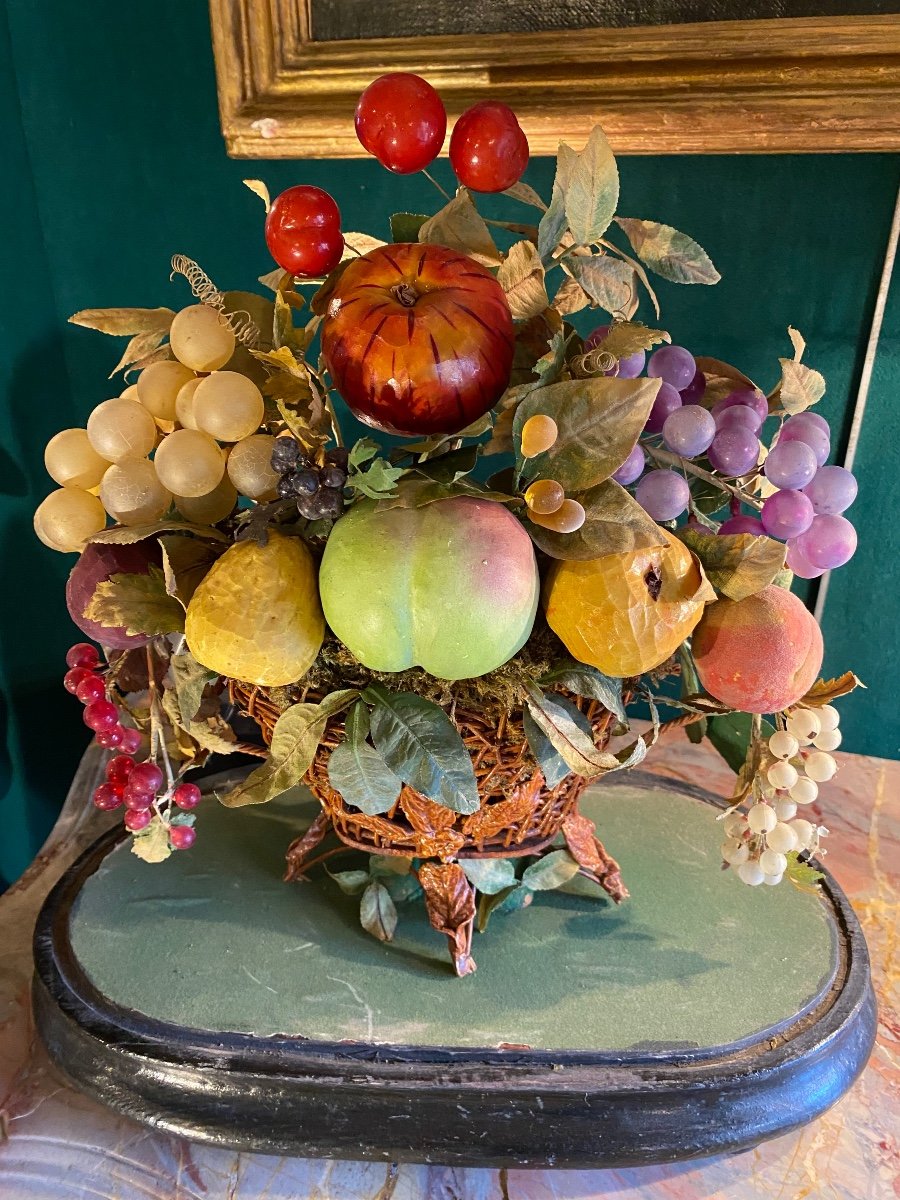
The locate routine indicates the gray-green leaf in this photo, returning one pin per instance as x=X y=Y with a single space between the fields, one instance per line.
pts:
x=405 y=226
x=357 y=770
x=550 y=871
x=350 y=882
x=377 y=913
x=592 y=192
x=571 y=742
x=420 y=743
x=553 y=766
x=489 y=875
x=190 y=680
x=553 y=223
x=608 y=281
x=587 y=681
x=668 y=252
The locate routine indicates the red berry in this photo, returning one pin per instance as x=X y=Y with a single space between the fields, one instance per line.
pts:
x=303 y=231
x=135 y=799
x=106 y=797
x=101 y=716
x=73 y=678
x=136 y=819
x=90 y=688
x=83 y=654
x=488 y=150
x=401 y=120
x=119 y=768
x=182 y=837
x=131 y=740
x=146 y=777
x=187 y=795
x=110 y=739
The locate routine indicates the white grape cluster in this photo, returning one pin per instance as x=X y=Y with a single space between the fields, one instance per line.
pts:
x=797 y=760
x=186 y=434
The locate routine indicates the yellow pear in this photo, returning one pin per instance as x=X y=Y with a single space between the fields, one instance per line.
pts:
x=256 y=616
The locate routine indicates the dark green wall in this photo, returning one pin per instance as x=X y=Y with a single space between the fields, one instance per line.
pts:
x=113 y=161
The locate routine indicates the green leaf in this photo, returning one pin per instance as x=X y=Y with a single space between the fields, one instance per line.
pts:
x=378 y=480
x=420 y=743
x=553 y=766
x=402 y=887
x=592 y=192
x=152 y=843
x=416 y=493
x=730 y=734
x=614 y=523
x=295 y=739
x=136 y=603
x=737 y=565
x=450 y=467
x=553 y=223
x=358 y=771
x=608 y=281
x=587 y=681
x=566 y=737
x=800 y=386
x=190 y=679
x=351 y=883
x=405 y=226
x=803 y=875
x=599 y=420
x=459 y=226
x=669 y=253
x=549 y=872
x=377 y=913
x=489 y=875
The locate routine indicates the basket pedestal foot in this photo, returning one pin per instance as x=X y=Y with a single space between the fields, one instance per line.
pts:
x=302 y=847
x=450 y=903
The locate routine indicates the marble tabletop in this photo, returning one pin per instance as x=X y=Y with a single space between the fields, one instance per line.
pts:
x=55 y=1143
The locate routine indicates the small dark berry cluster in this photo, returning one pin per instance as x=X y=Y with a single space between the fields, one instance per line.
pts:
x=85 y=680
x=138 y=787
x=318 y=490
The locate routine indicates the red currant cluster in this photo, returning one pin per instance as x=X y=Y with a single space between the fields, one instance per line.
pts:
x=401 y=120
x=85 y=680
x=139 y=787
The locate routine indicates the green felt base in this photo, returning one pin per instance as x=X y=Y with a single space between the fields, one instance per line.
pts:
x=212 y=939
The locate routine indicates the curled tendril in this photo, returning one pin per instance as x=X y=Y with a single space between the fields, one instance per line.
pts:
x=242 y=324
x=595 y=362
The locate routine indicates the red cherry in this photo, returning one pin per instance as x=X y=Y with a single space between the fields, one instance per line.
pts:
x=488 y=150
x=106 y=797
x=401 y=119
x=82 y=654
x=73 y=678
x=187 y=795
x=90 y=688
x=131 y=740
x=101 y=716
x=110 y=739
x=182 y=837
x=119 y=768
x=136 y=819
x=303 y=231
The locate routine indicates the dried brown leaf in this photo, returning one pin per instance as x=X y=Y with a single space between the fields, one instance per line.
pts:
x=521 y=275
x=124 y=322
x=258 y=188
x=459 y=226
x=827 y=690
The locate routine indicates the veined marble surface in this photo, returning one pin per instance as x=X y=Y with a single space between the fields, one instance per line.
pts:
x=55 y=1144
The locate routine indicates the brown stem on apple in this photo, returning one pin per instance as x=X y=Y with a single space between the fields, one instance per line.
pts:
x=405 y=294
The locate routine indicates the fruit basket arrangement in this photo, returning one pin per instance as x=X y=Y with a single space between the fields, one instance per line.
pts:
x=438 y=629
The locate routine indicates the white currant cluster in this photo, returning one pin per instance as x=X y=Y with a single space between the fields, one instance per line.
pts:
x=796 y=761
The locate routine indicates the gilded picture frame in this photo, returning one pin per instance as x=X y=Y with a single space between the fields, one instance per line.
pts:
x=785 y=84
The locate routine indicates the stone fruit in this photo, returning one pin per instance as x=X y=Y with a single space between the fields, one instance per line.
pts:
x=488 y=150
x=256 y=616
x=451 y=587
x=401 y=119
x=418 y=339
x=627 y=613
x=760 y=654
x=97 y=563
x=303 y=231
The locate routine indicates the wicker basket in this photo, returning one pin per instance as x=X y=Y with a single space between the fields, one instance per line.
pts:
x=518 y=815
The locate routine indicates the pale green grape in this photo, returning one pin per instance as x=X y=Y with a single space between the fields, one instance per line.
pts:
x=121 y=428
x=72 y=461
x=189 y=463
x=67 y=518
x=201 y=338
x=228 y=406
x=132 y=494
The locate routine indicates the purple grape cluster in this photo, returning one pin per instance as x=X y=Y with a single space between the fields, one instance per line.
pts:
x=318 y=490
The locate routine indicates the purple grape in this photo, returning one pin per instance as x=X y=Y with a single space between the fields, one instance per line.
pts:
x=693 y=393
x=795 y=562
x=741 y=524
x=667 y=400
x=806 y=427
x=689 y=430
x=739 y=414
x=734 y=451
x=749 y=396
x=663 y=495
x=626 y=368
x=632 y=468
x=832 y=490
x=790 y=465
x=828 y=543
x=787 y=514
x=674 y=364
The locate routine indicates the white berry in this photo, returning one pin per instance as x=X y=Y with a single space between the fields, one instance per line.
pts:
x=735 y=825
x=762 y=818
x=785 y=809
x=781 y=838
x=819 y=766
x=804 y=724
x=828 y=739
x=829 y=718
x=772 y=862
x=782 y=775
x=783 y=744
x=735 y=852
x=806 y=833
x=752 y=873
x=804 y=791
x=774 y=880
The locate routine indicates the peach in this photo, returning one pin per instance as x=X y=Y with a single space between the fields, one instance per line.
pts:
x=760 y=654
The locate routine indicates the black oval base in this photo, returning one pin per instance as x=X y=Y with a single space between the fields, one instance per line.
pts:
x=462 y=1106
